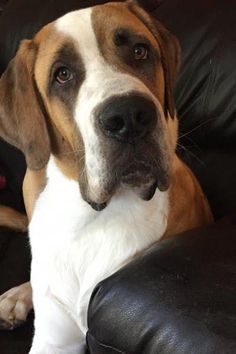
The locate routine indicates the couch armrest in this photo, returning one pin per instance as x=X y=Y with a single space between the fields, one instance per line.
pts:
x=179 y=297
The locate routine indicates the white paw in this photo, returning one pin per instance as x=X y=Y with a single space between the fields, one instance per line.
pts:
x=15 y=304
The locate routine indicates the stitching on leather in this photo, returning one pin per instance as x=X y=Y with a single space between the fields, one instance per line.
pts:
x=107 y=346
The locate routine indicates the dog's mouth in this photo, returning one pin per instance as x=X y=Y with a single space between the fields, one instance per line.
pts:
x=143 y=186
x=140 y=177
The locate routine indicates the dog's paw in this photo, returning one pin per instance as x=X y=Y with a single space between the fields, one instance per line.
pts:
x=15 y=305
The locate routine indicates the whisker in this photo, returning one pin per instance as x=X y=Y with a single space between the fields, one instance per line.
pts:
x=191 y=153
x=195 y=128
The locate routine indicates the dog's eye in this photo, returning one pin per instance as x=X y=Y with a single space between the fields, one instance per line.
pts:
x=140 y=52
x=63 y=75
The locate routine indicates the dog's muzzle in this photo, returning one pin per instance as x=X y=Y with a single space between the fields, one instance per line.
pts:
x=130 y=134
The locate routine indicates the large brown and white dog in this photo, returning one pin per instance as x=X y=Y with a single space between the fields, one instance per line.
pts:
x=89 y=101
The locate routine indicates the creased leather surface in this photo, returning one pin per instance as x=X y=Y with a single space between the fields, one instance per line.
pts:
x=177 y=298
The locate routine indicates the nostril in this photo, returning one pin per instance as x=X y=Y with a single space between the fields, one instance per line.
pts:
x=117 y=124
x=114 y=124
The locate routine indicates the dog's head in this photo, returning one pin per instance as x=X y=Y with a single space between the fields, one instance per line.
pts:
x=95 y=90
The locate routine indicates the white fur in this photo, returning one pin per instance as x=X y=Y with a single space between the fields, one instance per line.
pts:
x=83 y=247
x=73 y=246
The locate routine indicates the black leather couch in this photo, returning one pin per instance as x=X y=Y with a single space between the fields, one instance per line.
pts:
x=180 y=296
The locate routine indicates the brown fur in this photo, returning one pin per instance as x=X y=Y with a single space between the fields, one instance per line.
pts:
x=13 y=219
x=25 y=123
x=186 y=194
x=22 y=122
x=66 y=142
x=154 y=77
x=34 y=183
x=170 y=54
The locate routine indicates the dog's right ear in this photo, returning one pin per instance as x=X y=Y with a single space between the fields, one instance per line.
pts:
x=22 y=120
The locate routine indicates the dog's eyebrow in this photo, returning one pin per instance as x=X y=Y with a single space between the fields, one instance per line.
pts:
x=124 y=36
x=121 y=36
x=67 y=54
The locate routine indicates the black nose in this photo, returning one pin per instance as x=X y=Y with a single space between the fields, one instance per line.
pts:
x=127 y=118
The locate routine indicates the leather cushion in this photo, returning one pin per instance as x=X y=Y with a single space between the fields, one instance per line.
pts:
x=206 y=93
x=179 y=297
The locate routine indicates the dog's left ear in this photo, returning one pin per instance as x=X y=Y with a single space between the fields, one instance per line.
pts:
x=22 y=116
x=170 y=52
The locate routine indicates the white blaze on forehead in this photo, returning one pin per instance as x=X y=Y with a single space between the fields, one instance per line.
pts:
x=102 y=81
x=78 y=25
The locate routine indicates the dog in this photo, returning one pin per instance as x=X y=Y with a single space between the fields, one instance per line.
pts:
x=89 y=101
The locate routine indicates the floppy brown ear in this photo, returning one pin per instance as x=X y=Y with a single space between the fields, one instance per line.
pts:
x=22 y=122
x=170 y=53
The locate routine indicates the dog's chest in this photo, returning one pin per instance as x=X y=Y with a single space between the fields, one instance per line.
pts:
x=77 y=246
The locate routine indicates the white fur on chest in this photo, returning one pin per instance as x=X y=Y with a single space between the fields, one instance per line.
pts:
x=74 y=247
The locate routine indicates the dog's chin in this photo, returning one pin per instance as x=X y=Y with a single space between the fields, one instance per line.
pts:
x=143 y=179
x=144 y=191
x=142 y=184
x=144 y=187
x=97 y=206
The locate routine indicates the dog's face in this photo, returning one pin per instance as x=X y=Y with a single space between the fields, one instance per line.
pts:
x=95 y=89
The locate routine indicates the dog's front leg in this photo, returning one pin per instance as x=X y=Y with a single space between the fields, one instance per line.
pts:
x=55 y=330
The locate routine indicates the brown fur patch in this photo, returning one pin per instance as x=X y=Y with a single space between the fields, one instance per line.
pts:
x=33 y=184
x=170 y=54
x=187 y=204
x=13 y=219
x=110 y=18
x=22 y=121
x=66 y=141
x=36 y=123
